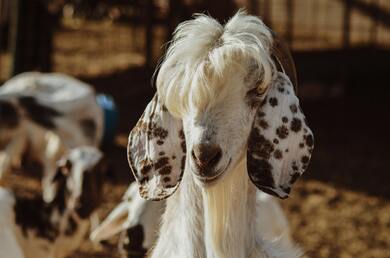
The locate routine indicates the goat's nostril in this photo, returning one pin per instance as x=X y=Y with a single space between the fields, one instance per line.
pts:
x=206 y=155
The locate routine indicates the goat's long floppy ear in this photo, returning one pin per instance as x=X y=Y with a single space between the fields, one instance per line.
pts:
x=156 y=152
x=281 y=143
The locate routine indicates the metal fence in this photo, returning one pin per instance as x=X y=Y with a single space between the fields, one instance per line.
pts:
x=139 y=27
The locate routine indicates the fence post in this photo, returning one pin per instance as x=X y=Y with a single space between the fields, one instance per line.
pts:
x=149 y=33
x=30 y=36
x=347 y=24
x=290 y=22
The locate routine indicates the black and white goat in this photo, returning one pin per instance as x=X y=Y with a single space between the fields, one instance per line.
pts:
x=32 y=228
x=43 y=116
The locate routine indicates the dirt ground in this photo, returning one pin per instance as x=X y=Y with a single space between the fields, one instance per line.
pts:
x=339 y=208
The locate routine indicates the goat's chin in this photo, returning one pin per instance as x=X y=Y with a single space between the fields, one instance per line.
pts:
x=223 y=201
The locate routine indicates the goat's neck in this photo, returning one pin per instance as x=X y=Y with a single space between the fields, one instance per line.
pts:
x=217 y=222
x=181 y=232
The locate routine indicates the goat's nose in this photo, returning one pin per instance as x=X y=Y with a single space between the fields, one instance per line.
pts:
x=206 y=155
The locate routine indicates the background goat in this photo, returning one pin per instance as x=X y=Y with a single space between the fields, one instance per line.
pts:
x=32 y=228
x=222 y=111
x=45 y=115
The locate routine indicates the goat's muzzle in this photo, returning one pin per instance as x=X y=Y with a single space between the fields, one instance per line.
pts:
x=205 y=158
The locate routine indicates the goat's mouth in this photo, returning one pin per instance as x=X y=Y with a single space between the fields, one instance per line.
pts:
x=216 y=175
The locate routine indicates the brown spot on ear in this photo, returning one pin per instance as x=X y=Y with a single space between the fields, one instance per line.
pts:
x=273 y=101
x=259 y=145
x=278 y=154
x=146 y=166
x=161 y=162
x=263 y=124
x=183 y=141
x=261 y=172
x=284 y=119
x=282 y=132
x=166 y=170
x=183 y=146
x=183 y=162
x=309 y=140
x=293 y=108
x=305 y=159
x=160 y=133
x=296 y=125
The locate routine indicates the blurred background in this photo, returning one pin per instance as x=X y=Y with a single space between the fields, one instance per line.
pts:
x=341 y=206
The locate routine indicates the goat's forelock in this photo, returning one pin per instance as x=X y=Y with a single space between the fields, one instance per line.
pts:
x=202 y=55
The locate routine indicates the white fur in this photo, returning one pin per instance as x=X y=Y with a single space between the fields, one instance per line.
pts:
x=204 y=53
x=204 y=80
x=134 y=210
x=220 y=222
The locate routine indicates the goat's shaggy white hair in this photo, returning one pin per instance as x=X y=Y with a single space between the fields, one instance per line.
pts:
x=215 y=80
x=225 y=208
x=203 y=52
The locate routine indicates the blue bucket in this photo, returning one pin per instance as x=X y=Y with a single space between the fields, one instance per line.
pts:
x=111 y=116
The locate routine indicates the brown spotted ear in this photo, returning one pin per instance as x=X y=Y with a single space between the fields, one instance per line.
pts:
x=281 y=143
x=156 y=152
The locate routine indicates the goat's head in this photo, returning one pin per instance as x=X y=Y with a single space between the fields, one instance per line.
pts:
x=220 y=97
x=136 y=218
x=77 y=183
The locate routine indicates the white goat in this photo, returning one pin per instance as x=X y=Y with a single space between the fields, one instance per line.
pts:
x=32 y=228
x=138 y=220
x=45 y=115
x=222 y=112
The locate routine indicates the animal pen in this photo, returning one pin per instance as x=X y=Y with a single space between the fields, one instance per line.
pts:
x=319 y=32
x=342 y=53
